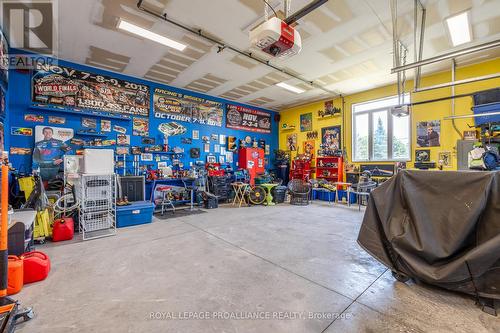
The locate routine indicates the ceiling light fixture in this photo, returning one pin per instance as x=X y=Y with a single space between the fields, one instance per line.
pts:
x=136 y=30
x=290 y=88
x=459 y=28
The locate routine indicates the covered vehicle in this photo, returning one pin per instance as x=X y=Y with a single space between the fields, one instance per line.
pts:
x=438 y=227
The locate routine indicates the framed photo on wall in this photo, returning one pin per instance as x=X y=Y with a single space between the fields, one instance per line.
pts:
x=306 y=122
x=429 y=133
x=331 y=138
x=444 y=158
x=309 y=148
x=422 y=155
x=291 y=142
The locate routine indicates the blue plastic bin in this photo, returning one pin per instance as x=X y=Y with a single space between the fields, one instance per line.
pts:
x=343 y=194
x=324 y=195
x=139 y=212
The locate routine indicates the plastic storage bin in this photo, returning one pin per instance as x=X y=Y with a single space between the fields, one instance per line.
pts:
x=343 y=194
x=324 y=195
x=36 y=266
x=140 y=212
x=15 y=277
x=279 y=194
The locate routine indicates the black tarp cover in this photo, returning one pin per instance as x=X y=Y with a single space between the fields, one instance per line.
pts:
x=438 y=227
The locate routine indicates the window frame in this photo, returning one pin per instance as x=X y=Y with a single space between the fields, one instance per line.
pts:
x=390 y=131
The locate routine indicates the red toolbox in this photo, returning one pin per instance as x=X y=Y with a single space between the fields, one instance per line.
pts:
x=36 y=266
x=15 y=275
x=63 y=229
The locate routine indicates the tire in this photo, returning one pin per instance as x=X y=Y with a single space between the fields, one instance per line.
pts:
x=400 y=277
x=257 y=195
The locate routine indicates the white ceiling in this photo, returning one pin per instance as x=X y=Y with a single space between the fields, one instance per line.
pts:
x=347 y=44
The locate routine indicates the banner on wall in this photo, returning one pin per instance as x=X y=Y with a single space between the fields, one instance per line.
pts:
x=3 y=103
x=72 y=88
x=51 y=143
x=4 y=59
x=242 y=118
x=170 y=105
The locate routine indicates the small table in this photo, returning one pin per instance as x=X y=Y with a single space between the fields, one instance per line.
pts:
x=269 y=196
x=240 y=189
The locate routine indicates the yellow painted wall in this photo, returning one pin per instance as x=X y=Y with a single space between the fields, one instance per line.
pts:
x=430 y=111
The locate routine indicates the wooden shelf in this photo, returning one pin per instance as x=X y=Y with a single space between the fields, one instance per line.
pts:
x=98 y=147
x=328 y=117
x=91 y=134
x=90 y=113
x=288 y=129
x=163 y=152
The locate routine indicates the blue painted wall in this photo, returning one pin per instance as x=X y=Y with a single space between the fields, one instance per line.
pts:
x=20 y=101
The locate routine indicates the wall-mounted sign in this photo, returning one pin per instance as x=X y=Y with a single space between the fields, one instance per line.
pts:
x=242 y=118
x=4 y=59
x=72 y=88
x=170 y=105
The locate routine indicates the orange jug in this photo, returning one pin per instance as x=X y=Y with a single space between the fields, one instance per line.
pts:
x=15 y=275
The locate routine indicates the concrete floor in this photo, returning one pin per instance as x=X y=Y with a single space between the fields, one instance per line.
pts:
x=300 y=263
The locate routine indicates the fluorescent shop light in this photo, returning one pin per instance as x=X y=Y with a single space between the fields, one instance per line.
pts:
x=459 y=28
x=290 y=88
x=136 y=30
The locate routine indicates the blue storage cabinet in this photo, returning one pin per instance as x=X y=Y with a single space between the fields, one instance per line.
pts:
x=487 y=108
x=139 y=212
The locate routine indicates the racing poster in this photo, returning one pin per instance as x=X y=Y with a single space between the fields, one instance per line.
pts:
x=170 y=105
x=242 y=118
x=68 y=87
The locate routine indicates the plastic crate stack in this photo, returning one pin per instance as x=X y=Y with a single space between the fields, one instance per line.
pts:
x=97 y=197
x=220 y=187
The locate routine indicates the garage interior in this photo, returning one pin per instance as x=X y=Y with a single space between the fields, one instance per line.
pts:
x=250 y=166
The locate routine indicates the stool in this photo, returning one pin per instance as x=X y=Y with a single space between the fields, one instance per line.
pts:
x=165 y=201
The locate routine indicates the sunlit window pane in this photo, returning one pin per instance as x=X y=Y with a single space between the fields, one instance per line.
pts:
x=400 y=138
x=361 y=138
x=379 y=130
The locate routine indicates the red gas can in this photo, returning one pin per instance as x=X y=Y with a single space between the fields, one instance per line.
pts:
x=63 y=229
x=36 y=266
x=15 y=275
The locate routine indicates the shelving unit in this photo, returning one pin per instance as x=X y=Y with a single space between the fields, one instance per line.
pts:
x=97 y=197
x=99 y=135
x=53 y=109
x=329 y=168
x=328 y=117
x=288 y=129
x=98 y=147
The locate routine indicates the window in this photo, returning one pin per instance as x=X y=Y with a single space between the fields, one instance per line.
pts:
x=377 y=135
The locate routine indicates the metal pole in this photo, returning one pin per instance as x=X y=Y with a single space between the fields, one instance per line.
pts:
x=459 y=82
x=449 y=55
x=487 y=114
x=415 y=27
x=421 y=46
x=395 y=45
x=453 y=74
x=304 y=11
